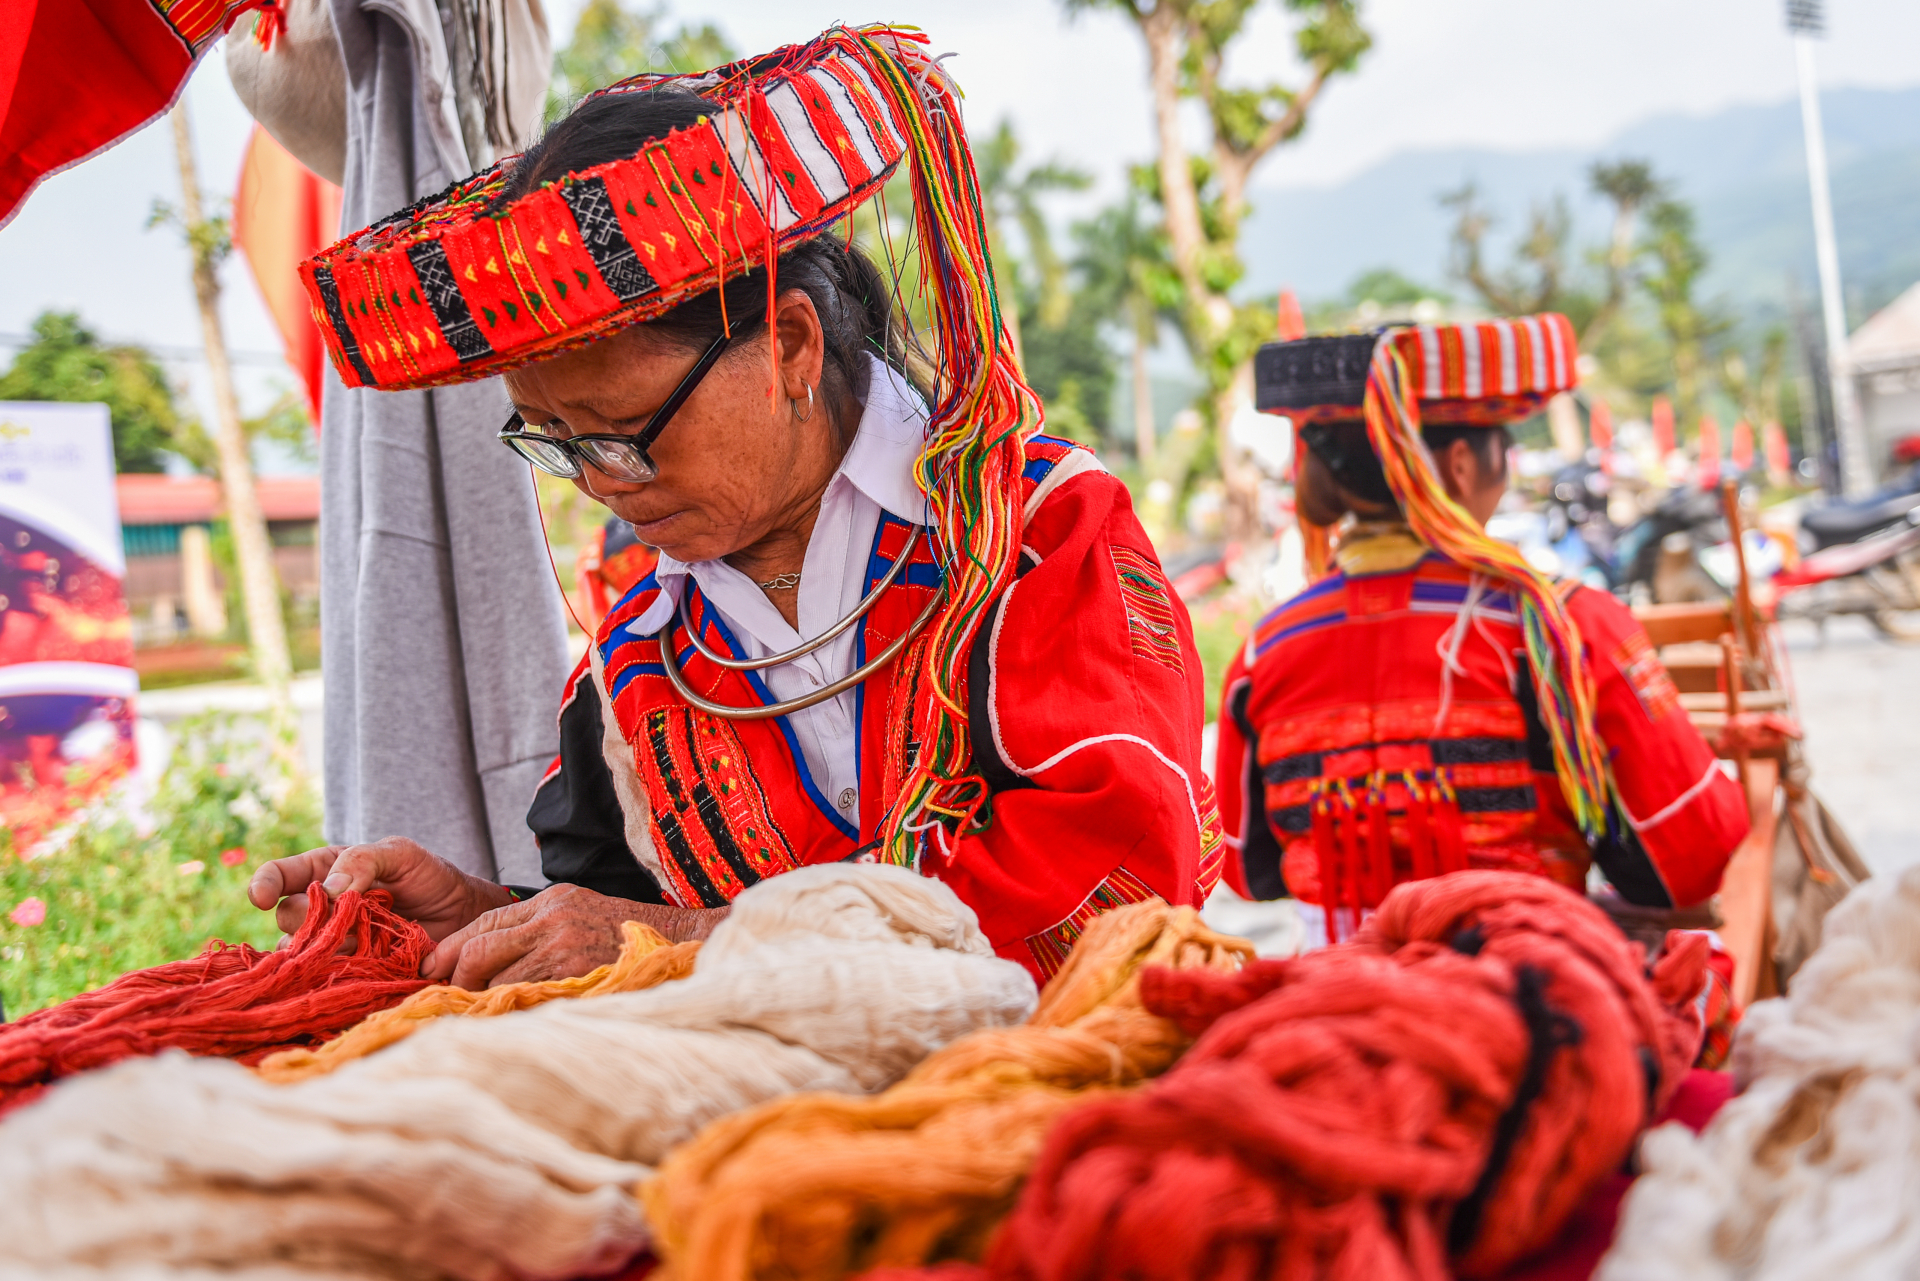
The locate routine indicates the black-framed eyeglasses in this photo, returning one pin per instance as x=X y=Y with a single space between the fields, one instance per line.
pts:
x=616 y=454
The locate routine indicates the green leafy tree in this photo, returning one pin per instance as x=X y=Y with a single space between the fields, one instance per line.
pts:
x=613 y=40
x=1673 y=246
x=1203 y=197
x=1388 y=288
x=1629 y=184
x=1538 y=279
x=1127 y=280
x=1011 y=195
x=1543 y=274
x=67 y=362
x=285 y=422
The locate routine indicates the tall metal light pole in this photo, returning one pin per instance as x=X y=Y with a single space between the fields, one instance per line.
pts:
x=1806 y=19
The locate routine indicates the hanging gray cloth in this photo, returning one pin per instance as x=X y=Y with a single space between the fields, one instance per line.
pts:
x=442 y=633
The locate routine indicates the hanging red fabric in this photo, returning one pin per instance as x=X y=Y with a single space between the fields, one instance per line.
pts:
x=283 y=213
x=77 y=76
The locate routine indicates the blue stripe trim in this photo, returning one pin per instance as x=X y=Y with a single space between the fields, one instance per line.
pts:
x=1036 y=470
x=1455 y=593
x=627 y=674
x=1311 y=624
x=876 y=569
x=1431 y=597
x=1325 y=586
x=765 y=695
x=632 y=670
x=621 y=636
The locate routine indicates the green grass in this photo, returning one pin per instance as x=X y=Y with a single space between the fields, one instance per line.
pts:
x=1219 y=630
x=119 y=899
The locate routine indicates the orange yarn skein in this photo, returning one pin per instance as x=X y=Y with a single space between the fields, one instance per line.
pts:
x=1428 y=1100
x=819 y=1185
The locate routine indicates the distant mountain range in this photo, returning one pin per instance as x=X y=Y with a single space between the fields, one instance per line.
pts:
x=1744 y=170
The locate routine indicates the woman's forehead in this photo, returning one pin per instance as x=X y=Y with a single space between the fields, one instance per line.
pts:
x=608 y=374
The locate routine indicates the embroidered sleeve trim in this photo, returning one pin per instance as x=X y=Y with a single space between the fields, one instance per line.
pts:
x=1051 y=947
x=1149 y=605
x=636 y=812
x=1637 y=661
x=1213 y=842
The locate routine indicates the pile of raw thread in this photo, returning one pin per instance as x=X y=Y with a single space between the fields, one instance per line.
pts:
x=489 y=1148
x=819 y=1186
x=1427 y=1100
x=1813 y=1170
x=232 y=1000
x=646 y=960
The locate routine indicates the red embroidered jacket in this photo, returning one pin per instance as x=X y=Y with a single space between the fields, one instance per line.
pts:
x=1085 y=705
x=1341 y=730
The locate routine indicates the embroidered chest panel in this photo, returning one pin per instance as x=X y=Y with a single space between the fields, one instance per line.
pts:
x=712 y=825
x=732 y=801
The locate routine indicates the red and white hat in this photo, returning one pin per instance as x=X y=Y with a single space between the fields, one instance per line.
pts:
x=459 y=287
x=1483 y=373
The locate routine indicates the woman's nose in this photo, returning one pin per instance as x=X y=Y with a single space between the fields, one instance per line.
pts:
x=597 y=485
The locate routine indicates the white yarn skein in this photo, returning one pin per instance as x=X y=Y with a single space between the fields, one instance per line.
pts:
x=1814 y=1170
x=502 y=1147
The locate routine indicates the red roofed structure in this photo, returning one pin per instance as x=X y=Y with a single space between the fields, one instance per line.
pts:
x=196 y=500
x=173 y=585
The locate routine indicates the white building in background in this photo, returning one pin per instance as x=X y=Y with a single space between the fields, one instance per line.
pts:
x=1884 y=358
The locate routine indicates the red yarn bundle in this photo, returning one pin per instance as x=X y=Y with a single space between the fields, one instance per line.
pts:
x=232 y=1000
x=1431 y=1098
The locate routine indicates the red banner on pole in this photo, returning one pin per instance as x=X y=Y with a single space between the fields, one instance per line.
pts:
x=282 y=213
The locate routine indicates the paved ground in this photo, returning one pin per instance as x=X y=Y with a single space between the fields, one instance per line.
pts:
x=1859 y=700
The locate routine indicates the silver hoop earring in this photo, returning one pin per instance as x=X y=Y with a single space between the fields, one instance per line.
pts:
x=808 y=416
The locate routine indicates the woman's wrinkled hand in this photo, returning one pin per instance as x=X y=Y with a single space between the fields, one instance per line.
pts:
x=562 y=932
x=425 y=888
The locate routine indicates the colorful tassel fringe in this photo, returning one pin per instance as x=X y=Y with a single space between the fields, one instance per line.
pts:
x=1561 y=680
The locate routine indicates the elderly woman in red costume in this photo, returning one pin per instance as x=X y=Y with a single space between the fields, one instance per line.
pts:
x=1432 y=703
x=890 y=619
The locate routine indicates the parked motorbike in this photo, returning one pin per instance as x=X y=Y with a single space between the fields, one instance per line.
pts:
x=1859 y=557
x=1837 y=524
x=1686 y=521
x=1863 y=557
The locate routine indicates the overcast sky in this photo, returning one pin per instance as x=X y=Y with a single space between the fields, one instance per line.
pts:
x=1508 y=74
x=1496 y=73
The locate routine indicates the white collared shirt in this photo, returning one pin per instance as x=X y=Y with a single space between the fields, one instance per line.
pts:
x=875 y=476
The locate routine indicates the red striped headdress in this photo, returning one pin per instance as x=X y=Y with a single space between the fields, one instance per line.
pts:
x=459 y=287
x=1486 y=373
x=455 y=289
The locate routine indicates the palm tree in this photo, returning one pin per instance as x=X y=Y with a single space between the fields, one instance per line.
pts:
x=1123 y=265
x=1008 y=195
x=1629 y=184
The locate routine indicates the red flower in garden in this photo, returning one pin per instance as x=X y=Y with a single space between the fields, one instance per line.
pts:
x=233 y=857
x=31 y=911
